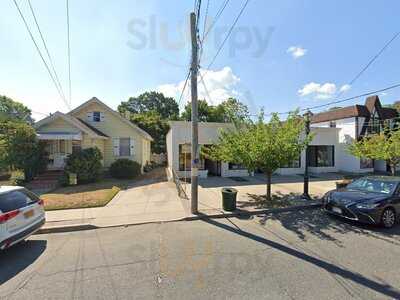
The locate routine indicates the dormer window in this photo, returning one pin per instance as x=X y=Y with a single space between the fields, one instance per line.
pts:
x=96 y=116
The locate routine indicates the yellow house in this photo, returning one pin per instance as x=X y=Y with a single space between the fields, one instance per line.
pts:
x=93 y=124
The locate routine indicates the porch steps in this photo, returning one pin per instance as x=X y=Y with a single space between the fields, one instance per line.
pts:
x=45 y=181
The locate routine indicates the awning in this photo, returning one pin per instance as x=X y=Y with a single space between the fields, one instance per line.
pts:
x=59 y=136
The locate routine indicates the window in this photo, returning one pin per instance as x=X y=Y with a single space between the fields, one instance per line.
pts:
x=96 y=116
x=185 y=158
x=124 y=147
x=294 y=164
x=233 y=166
x=62 y=147
x=16 y=200
x=76 y=146
x=366 y=163
x=321 y=156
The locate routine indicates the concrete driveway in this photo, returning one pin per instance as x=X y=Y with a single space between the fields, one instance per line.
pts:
x=146 y=201
x=250 y=189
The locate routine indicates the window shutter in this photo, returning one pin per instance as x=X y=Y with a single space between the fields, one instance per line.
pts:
x=90 y=116
x=102 y=117
x=116 y=146
x=132 y=148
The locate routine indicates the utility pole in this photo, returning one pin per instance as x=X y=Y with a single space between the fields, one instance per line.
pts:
x=195 y=130
x=306 y=194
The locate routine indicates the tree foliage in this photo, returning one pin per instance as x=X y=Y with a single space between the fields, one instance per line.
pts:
x=262 y=145
x=154 y=125
x=11 y=110
x=384 y=146
x=20 y=149
x=231 y=110
x=151 y=102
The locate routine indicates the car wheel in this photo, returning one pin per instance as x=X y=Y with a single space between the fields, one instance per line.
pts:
x=388 y=218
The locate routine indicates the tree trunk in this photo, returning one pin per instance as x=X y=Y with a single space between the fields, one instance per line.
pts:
x=393 y=169
x=268 y=195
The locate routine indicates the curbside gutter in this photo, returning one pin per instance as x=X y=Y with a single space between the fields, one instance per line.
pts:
x=200 y=216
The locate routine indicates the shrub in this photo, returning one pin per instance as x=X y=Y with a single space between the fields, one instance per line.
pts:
x=86 y=164
x=125 y=169
x=21 y=150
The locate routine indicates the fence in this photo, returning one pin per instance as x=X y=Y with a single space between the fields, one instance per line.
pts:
x=179 y=187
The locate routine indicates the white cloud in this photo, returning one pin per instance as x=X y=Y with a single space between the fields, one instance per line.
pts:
x=322 y=91
x=220 y=85
x=345 y=88
x=296 y=51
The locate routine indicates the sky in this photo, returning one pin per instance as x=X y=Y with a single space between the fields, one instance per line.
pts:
x=280 y=56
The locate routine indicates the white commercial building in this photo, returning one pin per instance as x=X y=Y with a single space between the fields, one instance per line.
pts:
x=333 y=132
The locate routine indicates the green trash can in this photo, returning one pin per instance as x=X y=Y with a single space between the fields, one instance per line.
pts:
x=229 y=199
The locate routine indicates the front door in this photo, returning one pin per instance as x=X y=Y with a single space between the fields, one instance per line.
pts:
x=57 y=154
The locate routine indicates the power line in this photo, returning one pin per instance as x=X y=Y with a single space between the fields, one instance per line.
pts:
x=69 y=54
x=374 y=58
x=229 y=33
x=342 y=100
x=214 y=21
x=47 y=50
x=39 y=52
x=184 y=87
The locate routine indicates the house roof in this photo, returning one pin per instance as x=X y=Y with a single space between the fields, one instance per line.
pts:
x=357 y=110
x=72 y=121
x=143 y=133
x=92 y=128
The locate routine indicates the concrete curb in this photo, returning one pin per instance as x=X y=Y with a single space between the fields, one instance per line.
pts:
x=223 y=214
x=65 y=228
x=242 y=213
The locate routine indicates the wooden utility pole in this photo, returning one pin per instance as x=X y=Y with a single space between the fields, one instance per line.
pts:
x=195 y=130
x=306 y=194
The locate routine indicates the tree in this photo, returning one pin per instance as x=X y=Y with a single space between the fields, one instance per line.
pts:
x=11 y=110
x=20 y=148
x=206 y=113
x=230 y=110
x=383 y=146
x=234 y=111
x=261 y=145
x=149 y=102
x=154 y=125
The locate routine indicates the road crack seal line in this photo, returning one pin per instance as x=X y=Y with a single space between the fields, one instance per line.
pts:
x=107 y=265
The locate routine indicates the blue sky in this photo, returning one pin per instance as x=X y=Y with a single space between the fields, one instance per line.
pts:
x=284 y=54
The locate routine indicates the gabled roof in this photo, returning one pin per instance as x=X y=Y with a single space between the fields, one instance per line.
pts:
x=72 y=121
x=143 y=133
x=92 y=128
x=357 y=110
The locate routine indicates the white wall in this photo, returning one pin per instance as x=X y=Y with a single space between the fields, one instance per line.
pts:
x=180 y=133
x=323 y=136
x=347 y=134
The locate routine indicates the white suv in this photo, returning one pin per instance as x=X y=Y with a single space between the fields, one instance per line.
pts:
x=21 y=214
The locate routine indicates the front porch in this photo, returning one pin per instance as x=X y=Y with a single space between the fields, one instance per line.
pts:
x=59 y=146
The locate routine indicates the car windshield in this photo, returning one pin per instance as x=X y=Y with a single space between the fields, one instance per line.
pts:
x=373 y=186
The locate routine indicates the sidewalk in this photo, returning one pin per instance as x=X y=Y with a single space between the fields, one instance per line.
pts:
x=154 y=202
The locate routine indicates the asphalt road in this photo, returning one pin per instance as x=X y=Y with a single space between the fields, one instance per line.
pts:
x=297 y=255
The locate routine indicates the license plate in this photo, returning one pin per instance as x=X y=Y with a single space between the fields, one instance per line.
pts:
x=29 y=214
x=337 y=210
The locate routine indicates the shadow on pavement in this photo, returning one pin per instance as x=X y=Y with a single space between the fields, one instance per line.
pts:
x=384 y=289
x=319 y=224
x=17 y=258
x=260 y=179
